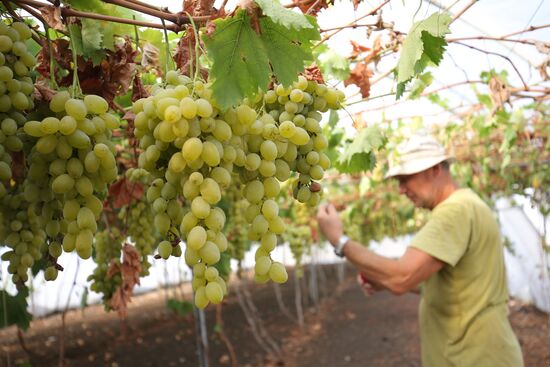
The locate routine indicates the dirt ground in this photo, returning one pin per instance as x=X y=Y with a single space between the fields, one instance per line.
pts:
x=344 y=328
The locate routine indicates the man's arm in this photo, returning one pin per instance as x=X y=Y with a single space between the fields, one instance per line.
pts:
x=399 y=276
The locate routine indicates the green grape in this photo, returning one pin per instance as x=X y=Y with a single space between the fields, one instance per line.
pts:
x=62 y=184
x=210 y=191
x=196 y=238
x=210 y=253
x=277 y=273
x=200 y=207
x=67 y=125
x=192 y=149
x=254 y=191
x=270 y=209
x=269 y=241
x=76 y=108
x=214 y=292
x=50 y=273
x=263 y=265
x=210 y=154
x=201 y=300
x=85 y=218
x=165 y=249
x=162 y=222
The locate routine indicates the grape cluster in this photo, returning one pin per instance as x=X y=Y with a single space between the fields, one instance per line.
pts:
x=298 y=236
x=108 y=249
x=195 y=152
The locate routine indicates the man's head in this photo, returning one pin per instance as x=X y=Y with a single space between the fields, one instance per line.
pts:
x=421 y=166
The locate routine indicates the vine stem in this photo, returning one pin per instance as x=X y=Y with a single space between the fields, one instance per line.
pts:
x=76 y=83
x=197 y=41
x=167 y=46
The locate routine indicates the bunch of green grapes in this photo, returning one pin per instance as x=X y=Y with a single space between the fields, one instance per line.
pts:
x=108 y=250
x=70 y=165
x=299 y=236
x=185 y=145
x=22 y=230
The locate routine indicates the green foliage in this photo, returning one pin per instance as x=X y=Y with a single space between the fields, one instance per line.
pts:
x=331 y=63
x=359 y=155
x=420 y=84
x=15 y=311
x=287 y=49
x=241 y=58
x=424 y=44
x=182 y=308
x=283 y=16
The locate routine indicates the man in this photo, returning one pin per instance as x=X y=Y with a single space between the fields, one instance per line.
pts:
x=456 y=258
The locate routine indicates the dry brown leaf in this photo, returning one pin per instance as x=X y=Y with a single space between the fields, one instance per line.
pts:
x=185 y=56
x=358 y=122
x=314 y=73
x=312 y=7
x=376 y=48
x=500 y=93
x=138 y=89
x=129 y=270
x=42 y=91
x=123 y=192
x=360 y=76
x=356 y=4
x=52 y=16
x=543 y=69
x=150 y=59
x=357 y=49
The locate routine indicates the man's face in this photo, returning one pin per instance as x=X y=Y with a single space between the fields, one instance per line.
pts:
x=418 y=188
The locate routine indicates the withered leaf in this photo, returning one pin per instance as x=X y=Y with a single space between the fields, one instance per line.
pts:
x=52 y=16
x=314 y=73
x=123 y=192
x=357 y=49
x=360 y=76
x=312 y=7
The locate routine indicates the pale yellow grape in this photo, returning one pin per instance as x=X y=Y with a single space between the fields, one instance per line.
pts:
x=188 y=222
x=210 y=154
x=211 y=273
x=246 y=115
x=271 y=187
x=261 y=279
x=191 y=257
x=251 y=212
x=262 y=266
x=277 y=272
x=270 y=97
x=260 y=251
x=188 y=107
x=176 y=250
x=152 y=153
x=316 y=172
x=303 y=194
x=200 y=207
x=96 y=104
x=291 y=153
x=222 y=131
x=221 y=176
x=210 y=253
x=314 y=199
x=201 y=300
x=33 y=128
x=159 y=205
x=46 y=144
x=267 y=168
x=287 y=129
x=165 y=132
x=162 y=223
x=324 y=161
x=282 y=170
x=76 y=108
x=164 y=249
x=198 y=282
x=50 y=125
x=52 y=228
x=84 y=240
x=85 y=218
x=196 y=178
x=196 y=238
x=268 y=149
x=296 y=95
x=276 y=225
x=270 y=209
x=190 y=190
x=172 y=114
x=180 y=128
x=221 y=241
x=87 y=126
x=312 y=125
x=204 y=108
x=214 y=292
x=177 y=162
x=260 y=225
x=198 y=270
x=62 y=184
x=70 y=209
x=254 y=191
x=57 y=103
x=269 y=241
x=50 y=273
x=207 y=124
x=67 y=125
x=192 y=149
x=84 y=186
x=94 y=204
x=78 y=139
x=168 y=191
x=300 y=137
x=215 y=220
x=210 y=191
x=312 y=158
x=256 y=128
x=282 y=91
x=75 y=168
x=252 y=161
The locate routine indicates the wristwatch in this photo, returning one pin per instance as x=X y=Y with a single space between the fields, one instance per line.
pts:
x=339 y=247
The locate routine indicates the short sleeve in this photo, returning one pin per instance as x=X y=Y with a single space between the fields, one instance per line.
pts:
x=447 y=233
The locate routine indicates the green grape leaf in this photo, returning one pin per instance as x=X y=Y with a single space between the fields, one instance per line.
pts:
x=359 y=155
x=76 y=38
x=424 y=43
x=287 y=49
x=332 y=63
x=182 y=308
x=92 y=40
x=420 y=84
x=240 y=63
x=15 y=311
x=283 y=16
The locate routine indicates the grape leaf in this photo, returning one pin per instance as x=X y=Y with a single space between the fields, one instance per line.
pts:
x=359 y=155
x=16 y=309
x=92 y=40
x=332 y=63
x=182 y=308
x=287 y=49
x=424 y=43
x=240 y=63
x=420 y=85
x=283 y=16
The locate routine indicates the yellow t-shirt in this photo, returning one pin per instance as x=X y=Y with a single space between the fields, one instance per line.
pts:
x=463 y=311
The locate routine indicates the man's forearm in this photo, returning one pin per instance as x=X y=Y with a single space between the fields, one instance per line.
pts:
x=380 y=270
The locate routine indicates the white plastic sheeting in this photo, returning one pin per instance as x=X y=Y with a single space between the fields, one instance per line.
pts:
x=526 y=277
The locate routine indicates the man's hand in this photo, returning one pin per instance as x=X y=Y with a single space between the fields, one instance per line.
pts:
x=330 y=223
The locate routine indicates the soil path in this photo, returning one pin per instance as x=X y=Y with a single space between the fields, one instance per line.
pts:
x=346 y=329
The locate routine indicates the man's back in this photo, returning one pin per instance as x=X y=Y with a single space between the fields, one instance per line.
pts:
x=463 y=312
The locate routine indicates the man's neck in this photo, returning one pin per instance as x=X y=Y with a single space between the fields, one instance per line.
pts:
x=446 y=190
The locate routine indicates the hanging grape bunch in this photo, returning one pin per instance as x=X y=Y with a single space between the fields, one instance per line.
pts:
x=194 y=152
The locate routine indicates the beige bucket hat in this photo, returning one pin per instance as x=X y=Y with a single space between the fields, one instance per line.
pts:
x=416 y=154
